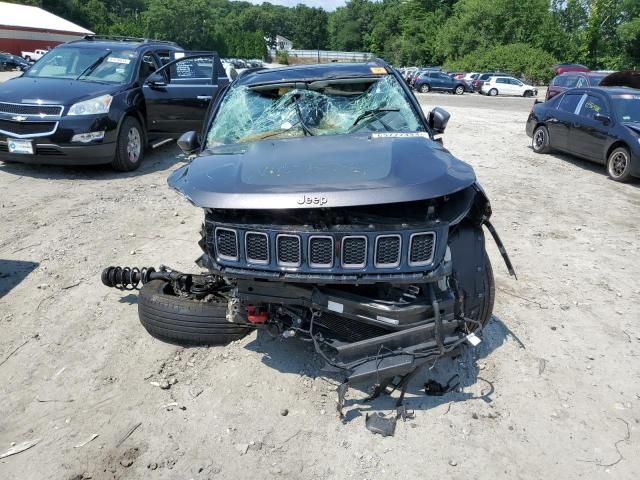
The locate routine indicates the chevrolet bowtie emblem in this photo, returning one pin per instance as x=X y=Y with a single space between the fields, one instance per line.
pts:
x=19 y=118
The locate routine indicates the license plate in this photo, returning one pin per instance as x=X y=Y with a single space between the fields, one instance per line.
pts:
x=20 y=146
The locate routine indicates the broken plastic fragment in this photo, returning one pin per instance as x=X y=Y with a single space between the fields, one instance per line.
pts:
x=378 y=423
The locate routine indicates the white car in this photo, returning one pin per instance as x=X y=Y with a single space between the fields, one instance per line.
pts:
x=508 y=86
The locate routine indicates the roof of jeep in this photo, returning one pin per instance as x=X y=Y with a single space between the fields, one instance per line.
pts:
x=302 y=73
x=115 y=43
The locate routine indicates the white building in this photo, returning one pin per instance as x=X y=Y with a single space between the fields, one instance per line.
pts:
x=27 y=28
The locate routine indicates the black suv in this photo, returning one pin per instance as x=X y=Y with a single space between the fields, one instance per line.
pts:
x=104 y=100
x=330 y=213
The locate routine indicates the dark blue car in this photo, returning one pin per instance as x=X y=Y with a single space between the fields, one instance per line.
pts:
x=439 y=81
x=601 y=124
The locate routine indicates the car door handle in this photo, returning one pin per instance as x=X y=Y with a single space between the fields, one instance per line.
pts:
x=204 y=97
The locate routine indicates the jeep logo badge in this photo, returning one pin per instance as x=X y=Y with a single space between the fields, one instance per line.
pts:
x=312 y=200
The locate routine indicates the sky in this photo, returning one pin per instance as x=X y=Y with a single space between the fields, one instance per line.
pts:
x=326 y=4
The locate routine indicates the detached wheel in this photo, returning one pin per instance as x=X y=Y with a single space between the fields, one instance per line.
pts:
x=129 y=147
x=493 y=92
x=459 y=90
x=619 y=165
x=425 y=88
x=540 y=142
x=187 y=322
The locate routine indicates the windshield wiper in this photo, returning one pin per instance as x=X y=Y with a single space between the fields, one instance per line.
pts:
x=374 y=113
x=294 y=99
x=94 y=65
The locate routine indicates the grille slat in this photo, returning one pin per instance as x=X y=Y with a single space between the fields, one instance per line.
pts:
x=311 y=249
x=350 y=330
x=27 y=128
x=388 y=249
x=257 y=247
x=227 y=243
x=321 y=252
x=27 y=109
x=421 y=248
x=354 y=252
x=289 y=251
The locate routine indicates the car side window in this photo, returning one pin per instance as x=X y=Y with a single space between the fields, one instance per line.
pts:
x=147 y=66
x=515 y=82
x=502 y=80
x=593 y=106
x=570 y=102
x=164 y=56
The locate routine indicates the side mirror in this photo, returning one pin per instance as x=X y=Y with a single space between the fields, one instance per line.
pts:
x=156 y=80
x=438 y=119
x=189 y=143
x=605 y=119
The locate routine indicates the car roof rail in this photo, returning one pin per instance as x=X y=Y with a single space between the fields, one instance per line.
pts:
x=119 y=38
x=247 y=71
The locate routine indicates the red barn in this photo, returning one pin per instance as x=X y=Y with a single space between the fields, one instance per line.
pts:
x=26 y=28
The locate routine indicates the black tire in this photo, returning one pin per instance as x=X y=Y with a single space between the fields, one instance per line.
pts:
x=527 y=93
x=619 y=165
x=493 y=92
x=186 y=322
x=540 y=141
x=130 y=146
x=459 y=90
x=486 y=308
x=424 y=88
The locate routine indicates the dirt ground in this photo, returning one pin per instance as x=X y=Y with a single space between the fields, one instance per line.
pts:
x=552 y=391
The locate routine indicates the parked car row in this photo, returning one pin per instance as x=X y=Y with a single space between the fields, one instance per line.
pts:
x=488 y=83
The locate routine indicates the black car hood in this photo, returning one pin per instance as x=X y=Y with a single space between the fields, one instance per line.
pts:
x=322 y=172
x=51 y=90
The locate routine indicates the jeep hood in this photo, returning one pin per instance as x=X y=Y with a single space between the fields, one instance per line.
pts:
x=322 y=172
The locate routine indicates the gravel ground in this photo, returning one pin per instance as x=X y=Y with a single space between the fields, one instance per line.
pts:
x=544 y=395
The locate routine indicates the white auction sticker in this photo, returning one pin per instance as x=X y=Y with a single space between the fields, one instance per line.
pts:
x=335 y=306
x=124 y=61
x=473 y=339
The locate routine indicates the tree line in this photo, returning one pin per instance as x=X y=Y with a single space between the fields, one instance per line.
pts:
x=522 y=36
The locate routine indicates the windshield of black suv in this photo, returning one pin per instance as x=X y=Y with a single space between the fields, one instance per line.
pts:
x=81 y=63
x=627 y=107
x=324 y=107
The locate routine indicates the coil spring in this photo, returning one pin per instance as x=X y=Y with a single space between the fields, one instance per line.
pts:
x=126 y=278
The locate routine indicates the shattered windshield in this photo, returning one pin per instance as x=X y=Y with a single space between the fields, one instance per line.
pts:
x=328 y=107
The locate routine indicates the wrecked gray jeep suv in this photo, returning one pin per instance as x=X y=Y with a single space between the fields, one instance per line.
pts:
x=330 y=213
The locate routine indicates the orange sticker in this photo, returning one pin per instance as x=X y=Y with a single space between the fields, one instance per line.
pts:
x=378 y=70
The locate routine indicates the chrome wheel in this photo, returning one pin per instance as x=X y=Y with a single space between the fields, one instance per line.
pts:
x=618 y=164
x=459 y=90
x=134 y=145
